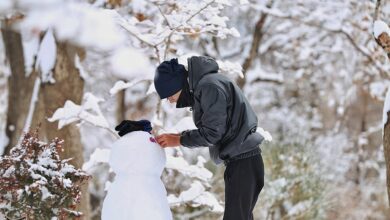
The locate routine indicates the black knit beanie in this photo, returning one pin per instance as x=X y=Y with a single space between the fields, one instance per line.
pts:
x=169 y=78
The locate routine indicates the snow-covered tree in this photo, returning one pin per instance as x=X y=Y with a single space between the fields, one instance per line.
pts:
x=37 y=184
x=381 y=33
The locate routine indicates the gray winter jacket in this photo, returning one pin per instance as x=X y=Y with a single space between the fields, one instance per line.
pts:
x=226 y=122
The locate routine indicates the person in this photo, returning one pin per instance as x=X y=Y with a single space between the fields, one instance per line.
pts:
x=226 y=124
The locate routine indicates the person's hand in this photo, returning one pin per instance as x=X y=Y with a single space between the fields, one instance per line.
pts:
x=168 y=140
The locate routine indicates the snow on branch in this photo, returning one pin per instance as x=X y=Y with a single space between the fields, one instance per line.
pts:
x=88 y=112
x=97 y=157
x=182 y=18
x=230 y=68
x=121 y=85
x=197 y=196
x=181 y=165
x=382 y=35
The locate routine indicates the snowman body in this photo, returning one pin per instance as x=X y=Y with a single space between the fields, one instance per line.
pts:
x=137 y=192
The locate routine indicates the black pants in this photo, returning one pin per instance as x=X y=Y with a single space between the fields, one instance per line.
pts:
x=244 y=179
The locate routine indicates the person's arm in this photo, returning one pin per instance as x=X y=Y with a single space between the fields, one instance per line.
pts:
x=213 y=122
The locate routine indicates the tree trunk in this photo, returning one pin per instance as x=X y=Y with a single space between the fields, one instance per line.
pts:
x=68 y=86
x=257 y=36
x=386 y=149
x=19 y=86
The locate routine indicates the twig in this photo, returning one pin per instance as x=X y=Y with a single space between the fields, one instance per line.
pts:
x=108 y=129
x=200 y=10
x=167 y=45
x=377 y=10
x=257 y=36
x=164 y=16
x=136 y=35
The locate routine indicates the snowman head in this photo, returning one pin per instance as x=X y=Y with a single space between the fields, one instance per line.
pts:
x=137 y=153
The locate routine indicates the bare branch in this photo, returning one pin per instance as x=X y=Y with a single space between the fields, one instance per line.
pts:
x=164 y=16
x=377 y=9
x=257 y=36
x=259 y=79
x=199 y=11
x=135 y=35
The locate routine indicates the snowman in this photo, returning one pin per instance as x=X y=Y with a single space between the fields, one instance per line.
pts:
x=137 y=192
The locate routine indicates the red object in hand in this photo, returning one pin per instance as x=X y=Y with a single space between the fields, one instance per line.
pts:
x=152 y=139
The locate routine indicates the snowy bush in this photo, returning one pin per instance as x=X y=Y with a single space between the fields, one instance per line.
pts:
x=294 y=188
x=36 y=184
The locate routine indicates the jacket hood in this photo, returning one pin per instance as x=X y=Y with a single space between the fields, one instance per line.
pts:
x=199 y=67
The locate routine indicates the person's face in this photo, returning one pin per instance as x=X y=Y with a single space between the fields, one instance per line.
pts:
x=174 y=98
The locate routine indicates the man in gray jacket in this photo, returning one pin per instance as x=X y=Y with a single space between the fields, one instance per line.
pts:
x=225 y=122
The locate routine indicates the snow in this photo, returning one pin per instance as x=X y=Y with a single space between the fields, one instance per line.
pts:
x=386 y=108
x=378 y=89
x=380 y=27
x=5 y=6
x=138 y=163
x=41 y=167
x=98 y=156
x=89 y=112
x=300 y=207
x=4 y=140
x=258 y=73
x=267 y=136
x=66 y=115
x=198 y=195
x=80 y=67
x=151 y=89
x=30 y=50
x=182 y=166
x=128 y=63
x=121 y=85
x=46 y=57
x=83 y=25
x=230 y=68
x=74 y=21
x=45 y=193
